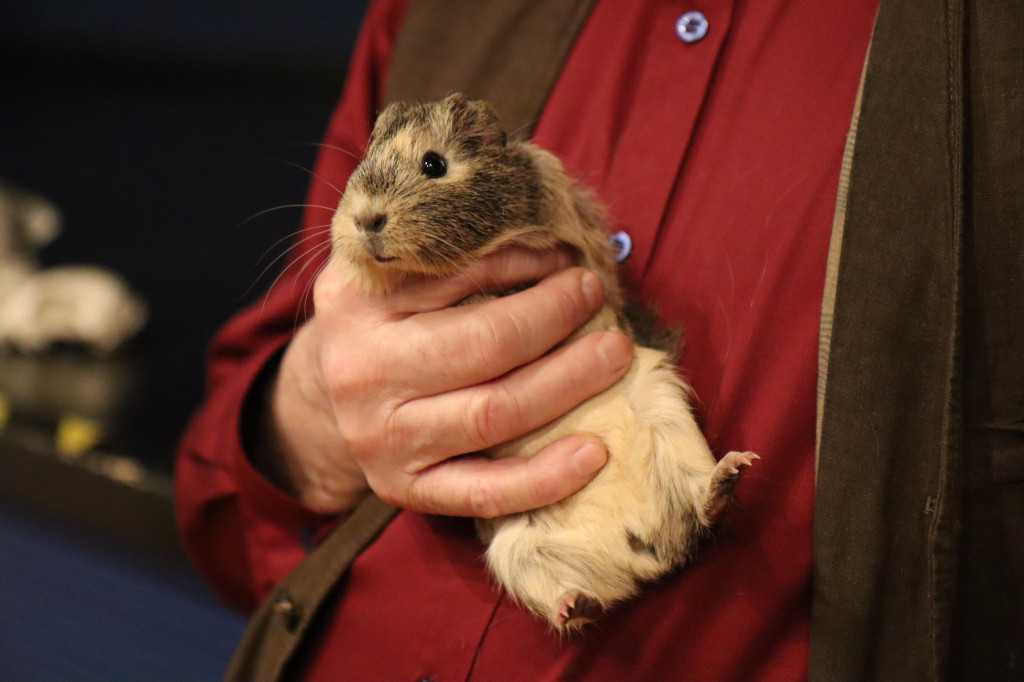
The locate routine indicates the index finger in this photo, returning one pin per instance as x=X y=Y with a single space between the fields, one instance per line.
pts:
x=488 y=339
x=494 y=274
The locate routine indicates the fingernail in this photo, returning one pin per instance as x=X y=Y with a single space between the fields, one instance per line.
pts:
x=592 y=289
x=615 y=349
x=588 y=458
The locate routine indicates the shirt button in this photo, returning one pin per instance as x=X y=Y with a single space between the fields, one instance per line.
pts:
x=691 y=27
x=623 y=246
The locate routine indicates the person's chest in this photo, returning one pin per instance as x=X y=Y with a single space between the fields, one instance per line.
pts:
x=718 y=157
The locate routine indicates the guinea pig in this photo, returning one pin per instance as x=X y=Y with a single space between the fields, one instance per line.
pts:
x=441 y=186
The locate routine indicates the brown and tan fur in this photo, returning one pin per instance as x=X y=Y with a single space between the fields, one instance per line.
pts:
x=661 y=490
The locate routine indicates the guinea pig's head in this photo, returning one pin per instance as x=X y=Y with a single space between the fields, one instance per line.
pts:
x=439 y=187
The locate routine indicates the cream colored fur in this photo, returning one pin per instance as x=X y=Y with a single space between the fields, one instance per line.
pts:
x=652 y=488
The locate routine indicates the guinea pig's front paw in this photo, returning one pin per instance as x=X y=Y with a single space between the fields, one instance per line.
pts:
x=575 y=609
x=724 y=479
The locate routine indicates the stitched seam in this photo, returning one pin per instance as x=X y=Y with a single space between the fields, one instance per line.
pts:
x=954 y=79
x=483 y=635
x=828 y=302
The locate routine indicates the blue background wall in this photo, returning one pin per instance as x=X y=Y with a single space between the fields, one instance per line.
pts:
x=75 y=609
x=158 y=128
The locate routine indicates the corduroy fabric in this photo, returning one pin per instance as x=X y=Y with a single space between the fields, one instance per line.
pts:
x=889 y=449
x=987 y=622
x=511 y=56
x=920 y=499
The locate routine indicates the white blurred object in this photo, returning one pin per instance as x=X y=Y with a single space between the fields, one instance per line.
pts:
x=76 y=304
x=79 y=304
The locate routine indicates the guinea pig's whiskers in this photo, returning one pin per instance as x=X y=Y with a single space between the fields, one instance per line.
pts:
x=308 y=288
x=448 y=256
x=521 y=128
x=316 y=233
x=314 y=257
x=265 y=211
x=309 y=257
x=257 y=278
x=324 y=145
x=314 y=174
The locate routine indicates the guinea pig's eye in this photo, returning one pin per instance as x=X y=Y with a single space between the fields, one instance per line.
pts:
x=433 y=165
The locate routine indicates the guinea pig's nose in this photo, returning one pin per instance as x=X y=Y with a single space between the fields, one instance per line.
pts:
x=371 y=223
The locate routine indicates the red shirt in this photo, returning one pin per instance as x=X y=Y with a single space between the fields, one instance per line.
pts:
x=720 y=159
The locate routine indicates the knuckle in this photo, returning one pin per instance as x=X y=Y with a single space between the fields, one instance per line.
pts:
x=426 y=349
x=566 y=302
x=357 y=372
x=390 y=424
x=368 y=429
x=572 y=303
x=490 y=337
x=378 y=428
x=492 y=330
x=334 y=369
x=386 y=496
x=418 y=496
x=341 y=376
x=482 y=499
x=488 y=414
x=480 y=418
x=326 y=290
x=360 y=434
x=543 y=474
x=384 y=490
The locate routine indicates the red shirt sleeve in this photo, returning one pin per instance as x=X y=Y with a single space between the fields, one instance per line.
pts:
x=242 y=533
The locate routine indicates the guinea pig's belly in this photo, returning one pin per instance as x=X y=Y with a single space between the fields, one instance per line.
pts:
x=638 y=518
x=608 y=415
x=658 y=460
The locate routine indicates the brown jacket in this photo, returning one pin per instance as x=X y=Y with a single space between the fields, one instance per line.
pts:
x=919 y=507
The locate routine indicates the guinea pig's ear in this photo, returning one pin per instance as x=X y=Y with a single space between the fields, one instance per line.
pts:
x=475 y=121
x=394 y=116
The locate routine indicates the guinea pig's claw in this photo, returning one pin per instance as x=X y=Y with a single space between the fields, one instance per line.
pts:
x=576 y=609
x=724 y=479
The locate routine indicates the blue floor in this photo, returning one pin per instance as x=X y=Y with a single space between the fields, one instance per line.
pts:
x=71 y=610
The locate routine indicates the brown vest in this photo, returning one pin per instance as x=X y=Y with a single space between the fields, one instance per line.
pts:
x=922 y=354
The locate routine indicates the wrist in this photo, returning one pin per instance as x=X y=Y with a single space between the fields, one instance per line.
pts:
x=298 y=446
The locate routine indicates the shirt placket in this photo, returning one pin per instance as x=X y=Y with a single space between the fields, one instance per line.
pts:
x=684 y=44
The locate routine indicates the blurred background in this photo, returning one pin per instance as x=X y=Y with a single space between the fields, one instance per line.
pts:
x=159 y=129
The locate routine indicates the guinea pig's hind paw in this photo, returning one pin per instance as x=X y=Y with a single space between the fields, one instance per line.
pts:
x=576 y=609
x=724 y=479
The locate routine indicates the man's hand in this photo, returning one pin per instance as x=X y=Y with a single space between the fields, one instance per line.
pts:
x=393 y=394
